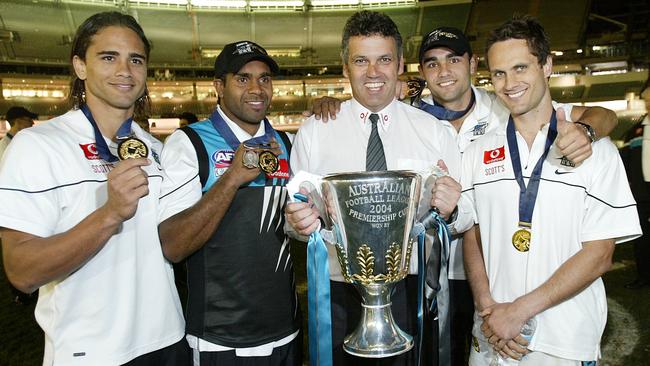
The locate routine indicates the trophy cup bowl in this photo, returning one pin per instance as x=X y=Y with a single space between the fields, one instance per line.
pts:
x=372 y=214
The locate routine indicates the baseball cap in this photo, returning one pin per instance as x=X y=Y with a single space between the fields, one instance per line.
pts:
x=18 y=112
x=449 y=37
x=235 y=55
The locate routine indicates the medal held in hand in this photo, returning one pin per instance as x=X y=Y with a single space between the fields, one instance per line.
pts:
x=269 y=163
x=132 y=148
x=250 y=159
x=521 y=240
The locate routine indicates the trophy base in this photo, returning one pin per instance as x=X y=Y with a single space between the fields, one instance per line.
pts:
x=377 y=335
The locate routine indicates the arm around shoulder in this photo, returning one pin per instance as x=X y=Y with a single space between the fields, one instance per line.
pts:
x=602 y=120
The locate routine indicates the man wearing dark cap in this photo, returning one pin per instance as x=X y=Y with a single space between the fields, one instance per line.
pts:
x=224 y=213
x=18 y=118
x=447 y=65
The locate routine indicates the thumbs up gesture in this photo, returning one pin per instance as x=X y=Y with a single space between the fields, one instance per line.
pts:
x=572 y=140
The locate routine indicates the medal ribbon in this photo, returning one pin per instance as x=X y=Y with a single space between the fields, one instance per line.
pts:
x=102 y=148
x=318 y=299
x=528 y=194
x=441 y=113
x=224 y=130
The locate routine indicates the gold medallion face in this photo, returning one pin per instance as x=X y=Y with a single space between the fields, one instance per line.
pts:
x=132 y=148
x=521 y=240
x=269 y=163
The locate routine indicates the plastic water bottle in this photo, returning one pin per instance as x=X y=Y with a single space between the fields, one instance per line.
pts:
x=528 y=329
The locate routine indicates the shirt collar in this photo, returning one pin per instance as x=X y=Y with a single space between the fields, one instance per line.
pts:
x=503 y=126
x=362 y=113
x=238 y=131
x=478 y=114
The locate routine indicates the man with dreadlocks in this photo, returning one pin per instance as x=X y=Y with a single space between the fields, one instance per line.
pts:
x=81 y=224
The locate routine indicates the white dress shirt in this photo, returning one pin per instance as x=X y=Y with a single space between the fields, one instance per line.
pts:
x=411 y=138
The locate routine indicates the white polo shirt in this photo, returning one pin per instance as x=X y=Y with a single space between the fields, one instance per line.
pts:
x=411 y=138
x=4 y=143
x=574 y=204
x=487 y=114
x=123 y=302
x=484 y=117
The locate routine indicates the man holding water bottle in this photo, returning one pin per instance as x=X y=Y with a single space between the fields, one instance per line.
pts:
x=546 y=226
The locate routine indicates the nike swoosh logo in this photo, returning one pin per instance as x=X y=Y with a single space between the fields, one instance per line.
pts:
x=558 y=172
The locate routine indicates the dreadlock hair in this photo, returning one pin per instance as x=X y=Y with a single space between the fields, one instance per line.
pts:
x=81 y=42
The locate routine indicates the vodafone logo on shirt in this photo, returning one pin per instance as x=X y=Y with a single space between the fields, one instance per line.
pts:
x=90 y=151
x=283 y=171
x=493 y=156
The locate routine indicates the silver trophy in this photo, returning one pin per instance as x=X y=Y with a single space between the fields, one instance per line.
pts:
x=371 y=215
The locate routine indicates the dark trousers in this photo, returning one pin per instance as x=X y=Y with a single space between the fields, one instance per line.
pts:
x=642 y=244
x=461 y=320
x=346 y=314
x=288 y=355
x=178 y=354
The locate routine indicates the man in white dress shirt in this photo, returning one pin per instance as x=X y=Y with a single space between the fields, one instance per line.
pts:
x=447 y=64
x=372 y=59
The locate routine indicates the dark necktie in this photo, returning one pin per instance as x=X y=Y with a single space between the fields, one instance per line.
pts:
x=375 y=158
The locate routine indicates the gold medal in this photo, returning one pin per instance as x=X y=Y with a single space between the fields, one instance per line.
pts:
x=521 y=240
x=132 y=148
x=269 y=163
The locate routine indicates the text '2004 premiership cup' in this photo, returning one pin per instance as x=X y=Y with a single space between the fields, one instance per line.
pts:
x=372 y=214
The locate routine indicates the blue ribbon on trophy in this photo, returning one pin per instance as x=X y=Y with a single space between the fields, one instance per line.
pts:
x=370 y=219
x=436 y=284
x=318 y=299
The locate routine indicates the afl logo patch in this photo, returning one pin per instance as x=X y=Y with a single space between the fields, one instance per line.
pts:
x=221 y=160
x=492 y=156
x=90 y=151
